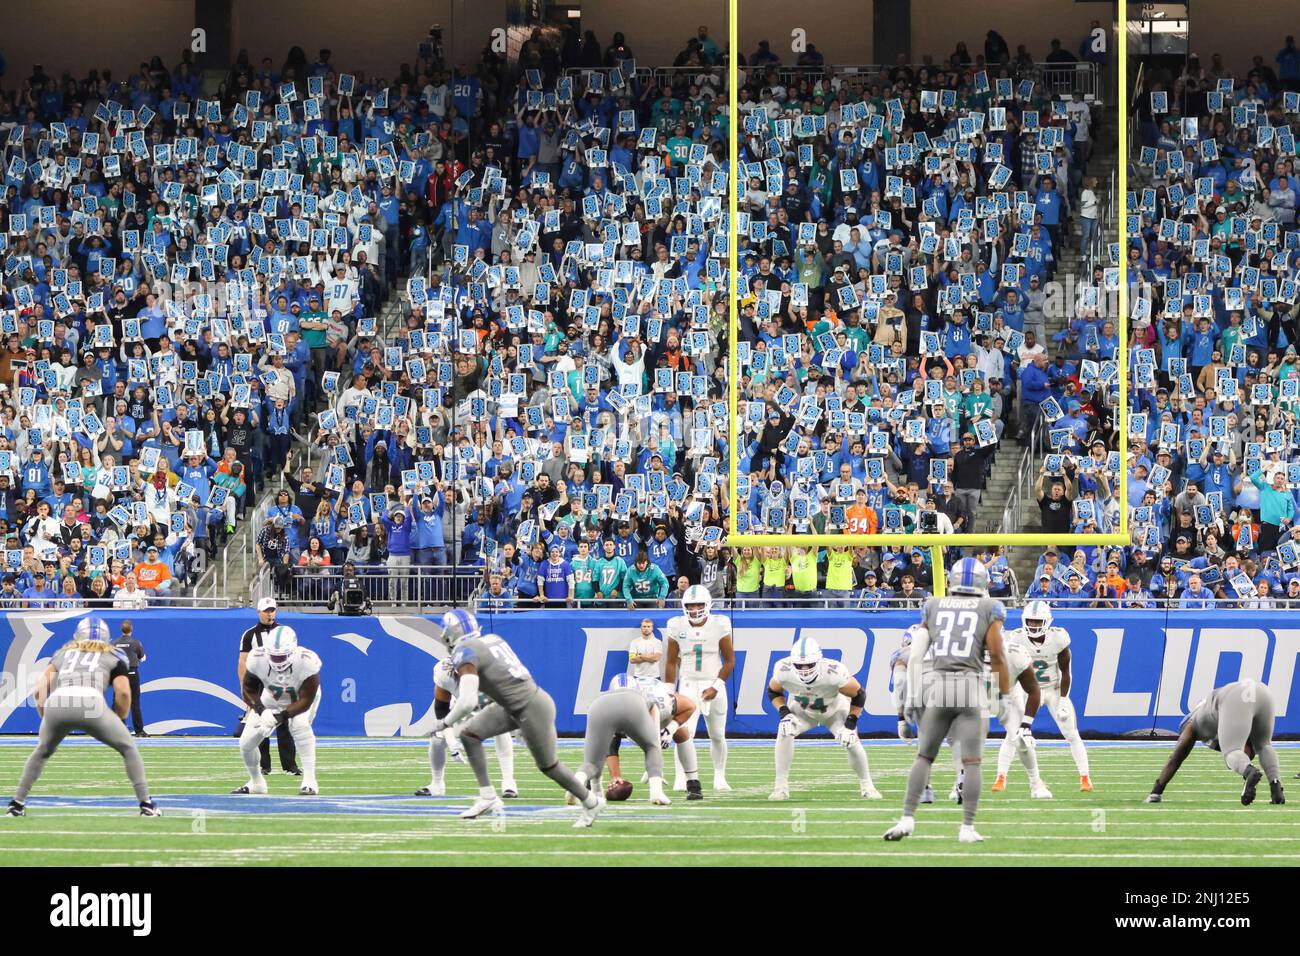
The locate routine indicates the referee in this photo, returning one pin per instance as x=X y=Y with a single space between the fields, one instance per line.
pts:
x=284 y=740
x=133 y=650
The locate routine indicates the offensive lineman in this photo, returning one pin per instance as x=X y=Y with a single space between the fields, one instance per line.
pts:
x=958 y=629
x=811 y=691
x=629 y=708
x=700 y=659
x=69 y=695
x=282 y=687
x=1049 y=650
x=486 y=663
x=444 y=698
x=1236 y=719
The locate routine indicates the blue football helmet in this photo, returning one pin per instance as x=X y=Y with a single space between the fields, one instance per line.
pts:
x=458 y=625
x=92 y=629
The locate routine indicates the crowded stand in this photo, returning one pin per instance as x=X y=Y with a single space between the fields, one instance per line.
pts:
x=1212 y=241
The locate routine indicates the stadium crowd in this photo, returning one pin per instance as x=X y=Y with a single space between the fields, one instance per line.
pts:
x=1213 y=472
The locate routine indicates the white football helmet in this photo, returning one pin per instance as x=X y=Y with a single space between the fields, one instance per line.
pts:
x=622 y=682
x=805 y=656
x=968 y=576
x=911 y=634
x=280 y=643
x=696 y=604
x=1037 y=618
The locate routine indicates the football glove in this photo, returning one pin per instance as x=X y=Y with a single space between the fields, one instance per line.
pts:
x=1006 y=711
x=437 y=728
x=912 y=715
x=1063 y=710
x=786 y=727
x=847 y=737
x=665 y=739
x=270 y=720
x=1026 y=732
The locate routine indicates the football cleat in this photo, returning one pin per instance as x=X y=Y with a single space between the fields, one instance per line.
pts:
x=254 y=788
x=955 y=793
x=294 y=772
x=432 y=790
x=1153 y=798
x=680 y=784
x=588 y=815
x=927 y=795
x=16 y=809
x=308 y=790
x=1085 y=784
x=720 y=784
x=999 y=784
x=867 y=789
x=903 y=828
x=483 y=805
x=779 y=793
x=694 y=791
x=1275 y=788
x=1253 y=777
x=968 y=834
x=149 y=809
x=1039 y=791
x=657 y=796
x=510 y=793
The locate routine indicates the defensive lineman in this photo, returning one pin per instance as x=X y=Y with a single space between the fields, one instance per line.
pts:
x=814 y=691
x=282 y=687
x=951 y=699
x=1236 y=719
x=447 y=743
x=486 y=663
x=700 y=659
x=1049 y=651
x=629 y=708
x=69 y=695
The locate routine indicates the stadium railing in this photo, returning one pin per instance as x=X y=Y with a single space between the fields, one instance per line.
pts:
x=437 y=586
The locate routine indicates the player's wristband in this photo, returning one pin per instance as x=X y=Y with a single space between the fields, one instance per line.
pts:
x=851 y=721
x=672 y=727
x=718 y=685
x=785 y=711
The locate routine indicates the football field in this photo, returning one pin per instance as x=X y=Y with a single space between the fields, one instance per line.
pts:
x=82 y=812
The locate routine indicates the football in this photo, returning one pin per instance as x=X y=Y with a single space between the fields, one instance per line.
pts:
x=618 y=790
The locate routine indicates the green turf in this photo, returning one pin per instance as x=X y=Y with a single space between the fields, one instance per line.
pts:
x=1202 y=823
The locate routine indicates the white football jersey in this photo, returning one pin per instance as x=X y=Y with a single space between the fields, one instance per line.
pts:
x=281 y=688
x=1044 y=656
x=646 y=669
x=699 y=648
x=444 y=678
x=659 y=694
x=828 y=677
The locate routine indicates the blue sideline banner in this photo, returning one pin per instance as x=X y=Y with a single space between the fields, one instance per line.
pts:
x=1132 y=670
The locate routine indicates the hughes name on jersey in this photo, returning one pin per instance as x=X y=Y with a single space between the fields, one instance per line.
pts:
x=280 y=688
x=502 y=677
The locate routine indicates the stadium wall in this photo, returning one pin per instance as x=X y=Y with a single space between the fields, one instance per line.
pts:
x=1132 y=670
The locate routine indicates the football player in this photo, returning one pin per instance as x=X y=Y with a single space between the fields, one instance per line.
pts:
x=700 y=659
x=282 y=686
x=676 y=711
x=808 y=691
x=69 y=696
x=1016 y=712
x=951 y=700
x=447 y=743
x=1049 y=650
x=629 y=708
x=484 y=663
x=1237 y=720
